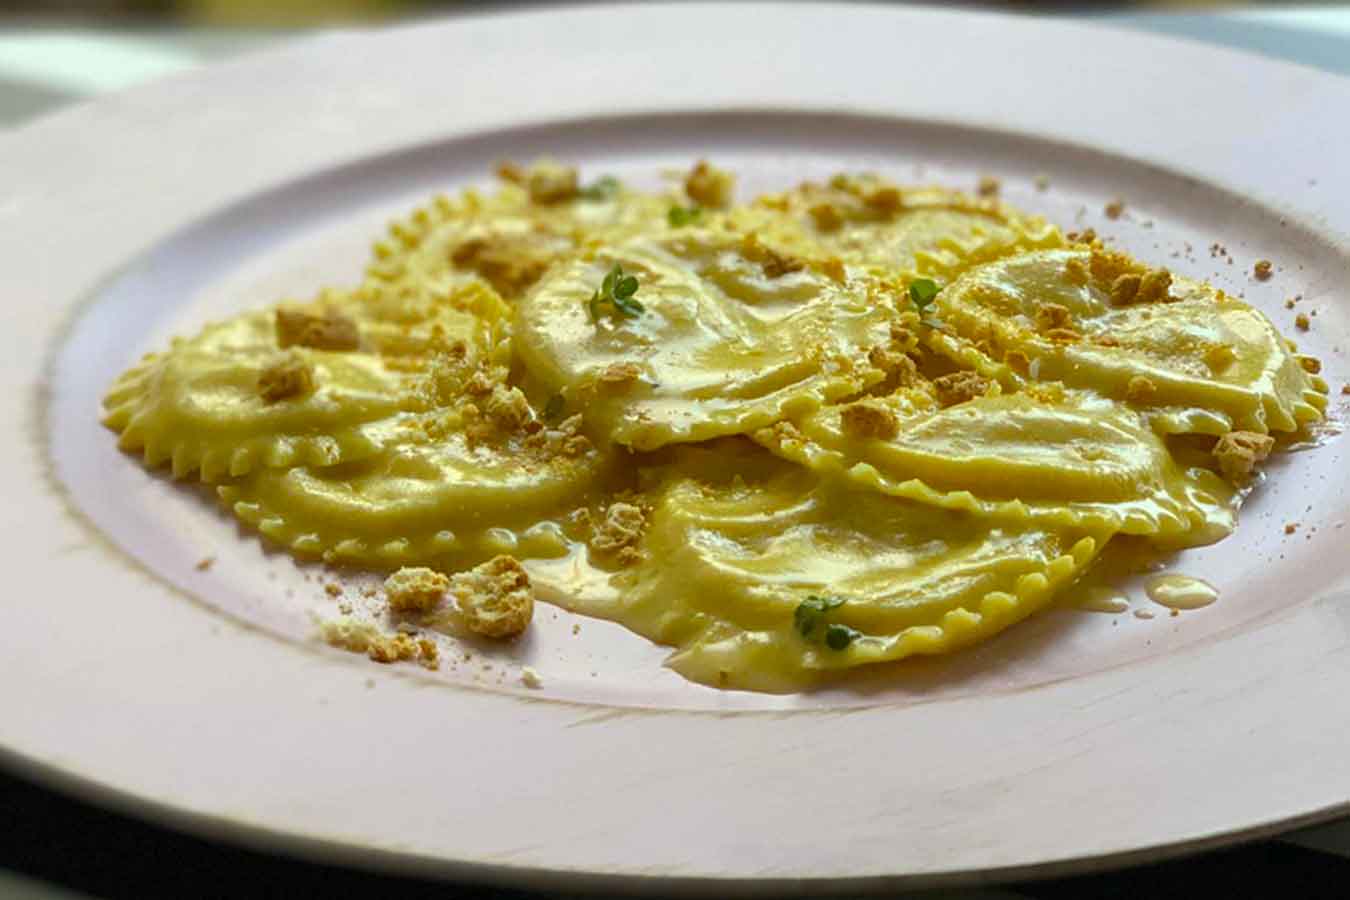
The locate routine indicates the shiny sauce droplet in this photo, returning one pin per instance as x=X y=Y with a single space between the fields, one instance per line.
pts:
x=1180 y=591
x=1103 y=600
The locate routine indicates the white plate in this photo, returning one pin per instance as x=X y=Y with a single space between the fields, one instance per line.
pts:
x=1077 y=739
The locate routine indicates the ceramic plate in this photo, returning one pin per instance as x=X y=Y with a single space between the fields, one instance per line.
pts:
x=1077 y=739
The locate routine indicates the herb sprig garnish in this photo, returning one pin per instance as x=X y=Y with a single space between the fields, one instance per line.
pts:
x=600 y=190
x=923 y=291
x=679 y=216
x=810 y=614
x=617 y=290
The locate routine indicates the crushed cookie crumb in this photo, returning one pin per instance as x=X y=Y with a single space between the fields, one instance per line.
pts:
x=428 y=654
x=1075 y=271
x=1154 y=287
x=509 y=171
x=1345 y=389
x=1052 y=315
x=834 y=269
x=1311 y=364
x=1140 y=390
x=620 y=529
x=826 y=216
x=330 y=331
x=1115 y=209
x=415 y=589
x=530 y=678
x=333 y=589
x=709 y=186
x=885 y=200
x=1302 y=322
x=774 y=264
x=868 y=419
x=510 y=263
x=1290 y=527
x=959 y=387
x=1263 y=269
x=988 y=186
x=1086 y=236
x=495 y=598
x=549 y=183
x=1125 y=288
x=284 y=378
x=1018 y=362
x=1238 y=452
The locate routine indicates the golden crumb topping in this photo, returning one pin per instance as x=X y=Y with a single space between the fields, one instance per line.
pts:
x=286 y=377
x=415 y=589
x=709 y=186
x=1238 y=452
x=1050 y=316
x=619 y=532
x=1140 y=389
x=495 y=599
x=550 y=183
x=328 y=331
x=868 y=419
x=959 y=387
x=1263 y=269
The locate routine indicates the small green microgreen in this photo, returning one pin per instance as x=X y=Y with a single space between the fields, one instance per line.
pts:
x=812 y=610
x=603 y=188
x=617 y=289
x=679 y=216
x=922 y=291
x=838 y=637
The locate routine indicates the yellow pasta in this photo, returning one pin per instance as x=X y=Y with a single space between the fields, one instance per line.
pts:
x=1058 y=458
x=839 y=426
x=1197 y=358
x=734 y=335
x=868 y=221
x=450 y=502
x=739 y=541
x=202 y=405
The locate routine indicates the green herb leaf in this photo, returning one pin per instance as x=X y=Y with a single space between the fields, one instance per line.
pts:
x=554 y=407
x=812 y=610
x=922 y=291
x=616 y=289
x=679 y=216
x=603 y=188
x=838 y=637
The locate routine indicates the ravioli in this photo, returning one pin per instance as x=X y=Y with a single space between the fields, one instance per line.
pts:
x=452 y=502
x=1057 y=458
x=837 y=427
x=505 y=238
x=929 y=232
x=738 y=540
x=1197 y=359
x=734 y=336
x=199 y=406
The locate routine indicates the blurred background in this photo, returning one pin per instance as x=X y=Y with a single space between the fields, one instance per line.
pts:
x=54 y=52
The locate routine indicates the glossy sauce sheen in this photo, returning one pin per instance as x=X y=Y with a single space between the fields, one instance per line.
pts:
x=779 y=462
